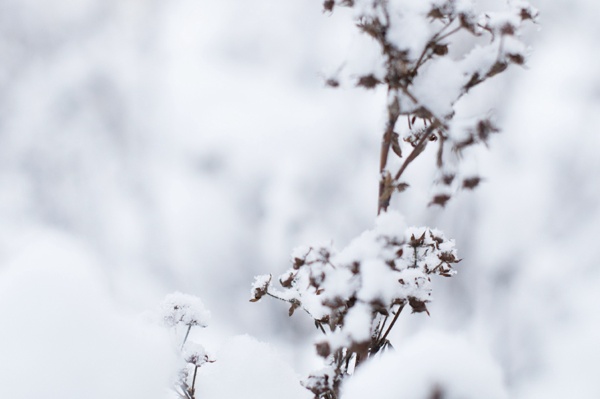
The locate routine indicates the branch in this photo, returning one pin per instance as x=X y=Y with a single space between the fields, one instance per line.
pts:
x=421 y=144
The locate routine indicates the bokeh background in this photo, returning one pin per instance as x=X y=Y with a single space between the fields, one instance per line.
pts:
x=152 y=146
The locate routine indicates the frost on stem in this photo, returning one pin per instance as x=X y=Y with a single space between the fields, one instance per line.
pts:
x=187 y=311
x=425 y=80
x=355 y=295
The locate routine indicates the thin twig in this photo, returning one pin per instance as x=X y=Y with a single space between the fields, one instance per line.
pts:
x=435 y=38
x=381 y=327
x=392 y=323
x=421 y=144
x=288 y=301
x=187 y=334
x=453 y=31
x=193 y=389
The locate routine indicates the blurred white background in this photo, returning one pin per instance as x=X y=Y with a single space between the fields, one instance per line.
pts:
x=148 y=146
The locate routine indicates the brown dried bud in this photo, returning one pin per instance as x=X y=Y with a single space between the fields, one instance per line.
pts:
x=448 y=257
x=471 y=182
x=507 y=29
x=438 y=240
x=379 y=307
x=368 y=81
x=400 y=187
x=295 y=305
x=468 y=22
x=332 y=82
x=484 y=128
x=440 y=200
x=528 y=13
x=435 y=13
x=447 y=179
x=417 y=305
x=287 y=282
x=474 y=81
x=516 y=59
x=417 y=242
x=440 y=49
x=261 y=291
x=323 y=349
x=497 y=68
x=396 y=144
x=298 y=263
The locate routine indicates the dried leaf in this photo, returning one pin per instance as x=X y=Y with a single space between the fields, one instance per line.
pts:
x=417 y=305
x=440 y=200
x=497 y=68
x=474 y=81
x=332 y=82
x=298 y=263
x=417 y=242
x=387 y=188
x=528 y=13
x=440 y=49
x=400 y=187
x=468 y=22
x=368 y=81
x=323 y=348
x=287 y=282
x=485 y=127
x=517 y=59
x=448 y=257
x=295 y=305
x=379 y=307
x=436 y=13
x=447 y=179
x=261 y=291
x=471 y=182
x=396 y=144
x=507 y=29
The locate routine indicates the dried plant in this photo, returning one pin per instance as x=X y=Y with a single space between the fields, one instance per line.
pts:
x=182 y=311
x=355 y=295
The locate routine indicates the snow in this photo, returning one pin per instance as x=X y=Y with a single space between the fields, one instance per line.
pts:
x=439 y=85
x=428 y=362
x=376 y=283
x=410 y=30
x=63 y=337
x=250 y=369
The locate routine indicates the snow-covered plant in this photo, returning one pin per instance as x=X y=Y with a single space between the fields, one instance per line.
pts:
x=355 y=295
x=425 y=78
x=181 y=312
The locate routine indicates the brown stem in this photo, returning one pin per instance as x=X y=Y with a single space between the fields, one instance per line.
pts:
x=437 y=37
x=193 y=389
x=381 y=327
x=288 y=301
x=393 y=113
x=440 y=154
x=453 y=31
x=421 y=144
x=390 y=326
x=187 y=334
